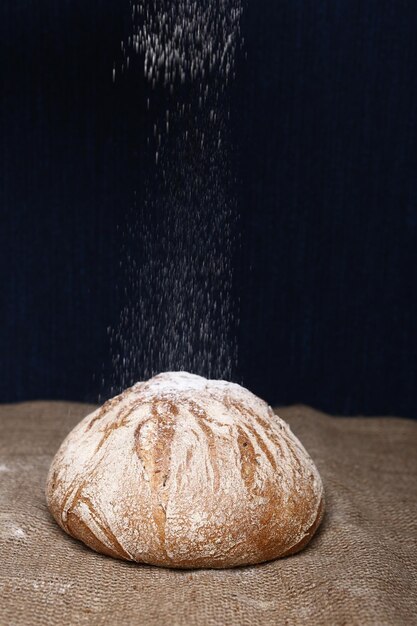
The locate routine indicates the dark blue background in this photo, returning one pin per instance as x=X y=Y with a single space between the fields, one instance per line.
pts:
x=324 y=131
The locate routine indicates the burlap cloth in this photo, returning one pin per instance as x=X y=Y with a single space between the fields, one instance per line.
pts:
x=359 y=569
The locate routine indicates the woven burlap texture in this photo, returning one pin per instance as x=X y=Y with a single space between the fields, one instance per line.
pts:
x=359 y=569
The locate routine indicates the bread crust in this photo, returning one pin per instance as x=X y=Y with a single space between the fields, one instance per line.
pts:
x=184 y=472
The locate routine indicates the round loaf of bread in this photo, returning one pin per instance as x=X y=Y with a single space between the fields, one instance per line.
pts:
x=181 y=471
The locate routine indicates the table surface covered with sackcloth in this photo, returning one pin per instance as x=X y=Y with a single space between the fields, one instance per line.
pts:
x=360 y=568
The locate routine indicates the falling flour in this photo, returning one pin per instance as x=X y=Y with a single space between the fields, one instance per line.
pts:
x=184 y=40
x=179 y=309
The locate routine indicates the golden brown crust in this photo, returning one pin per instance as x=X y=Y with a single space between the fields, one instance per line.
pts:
x=79 y=530
x=182 y=472
x=310 y=533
